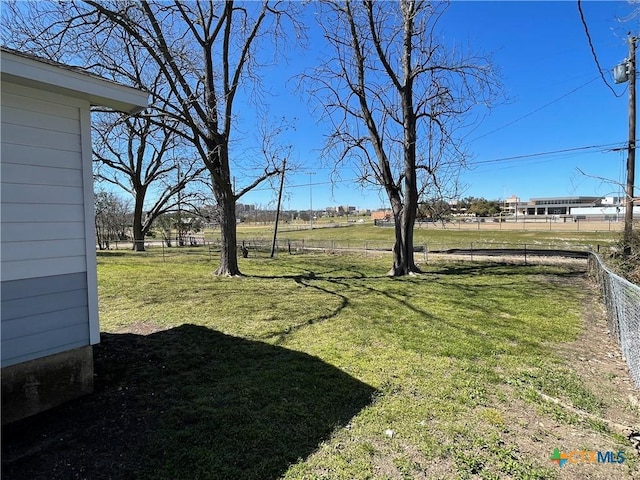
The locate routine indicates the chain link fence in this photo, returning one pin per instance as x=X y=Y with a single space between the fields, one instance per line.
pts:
x=622 y=301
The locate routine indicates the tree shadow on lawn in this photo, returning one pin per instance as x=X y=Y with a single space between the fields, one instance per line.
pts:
x=304 y=280
x=188 y=402
x=500 y=268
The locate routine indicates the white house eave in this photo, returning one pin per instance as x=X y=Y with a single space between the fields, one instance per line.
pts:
x=57 y=79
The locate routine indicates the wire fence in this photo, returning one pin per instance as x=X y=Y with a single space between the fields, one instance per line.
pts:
x=424 y=252
x=608 y=223
x=622 y=301
x=202 y=248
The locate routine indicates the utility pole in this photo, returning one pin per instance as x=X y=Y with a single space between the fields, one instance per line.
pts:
x=631 y=156
x=179 y=239
x=275 y=228
x=311 y=201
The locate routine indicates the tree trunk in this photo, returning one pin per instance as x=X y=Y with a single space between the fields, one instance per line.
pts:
x=399 y=251
x=138 y=231
x=223 y=192
x=99 y=237
x=218 y=166
x=404 y=216
x=228 y=248
x=138 y=237
x=410 y=195
x=399 y=263
x=408 y=225
x=403 y=255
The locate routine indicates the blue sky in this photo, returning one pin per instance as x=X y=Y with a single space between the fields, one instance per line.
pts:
x=556 y=101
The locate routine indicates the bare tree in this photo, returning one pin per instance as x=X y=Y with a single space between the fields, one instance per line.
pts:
x=205 y=51
x=395 y=93
x=141 y=157
x=111 y=218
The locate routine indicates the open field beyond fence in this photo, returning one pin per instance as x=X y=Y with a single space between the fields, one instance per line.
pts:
x=319 y=366
x=366 y=238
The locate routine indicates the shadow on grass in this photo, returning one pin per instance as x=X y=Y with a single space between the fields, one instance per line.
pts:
x=186 y=403
x=499 y=268
x=304 y=280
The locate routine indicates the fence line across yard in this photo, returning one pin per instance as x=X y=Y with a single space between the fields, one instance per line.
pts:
x=262 y=246
x=622 y=301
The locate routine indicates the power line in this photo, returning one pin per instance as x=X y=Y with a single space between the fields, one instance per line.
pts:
x=574 y=150
x=593 y=50
x=536 y=110
x=608 y=146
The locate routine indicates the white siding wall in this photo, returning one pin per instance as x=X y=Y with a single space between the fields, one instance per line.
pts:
x=48 y=295
x=43 y=221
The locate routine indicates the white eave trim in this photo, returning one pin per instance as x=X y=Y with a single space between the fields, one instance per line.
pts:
x=57 y=79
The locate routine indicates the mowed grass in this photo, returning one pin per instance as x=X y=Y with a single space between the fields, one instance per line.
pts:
x=433 y=366
x=435 y=236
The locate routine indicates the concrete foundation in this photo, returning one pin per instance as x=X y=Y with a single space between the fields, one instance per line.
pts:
x=37 y=385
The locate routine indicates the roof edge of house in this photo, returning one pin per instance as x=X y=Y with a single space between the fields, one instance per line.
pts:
x=34 y=71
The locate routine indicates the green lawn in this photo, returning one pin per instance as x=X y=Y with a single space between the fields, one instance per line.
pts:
x=359 y=235
x=319 y=366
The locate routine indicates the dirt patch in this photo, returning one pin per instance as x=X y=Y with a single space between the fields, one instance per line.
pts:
x=596 y=359
x=537 y=435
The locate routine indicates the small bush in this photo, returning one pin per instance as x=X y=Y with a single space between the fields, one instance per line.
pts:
x=628 y=267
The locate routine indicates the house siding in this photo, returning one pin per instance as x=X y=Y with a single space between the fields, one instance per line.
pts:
x=48 y=295
x=42 y=316
x=45 y=290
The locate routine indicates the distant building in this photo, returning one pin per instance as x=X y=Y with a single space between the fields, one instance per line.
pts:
x=241 y=207
x=456 y=208
x=567 y=208
x=578 y=207
x=384 y=215
x=340 y=210
x=513 y=206
x=559 y=205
